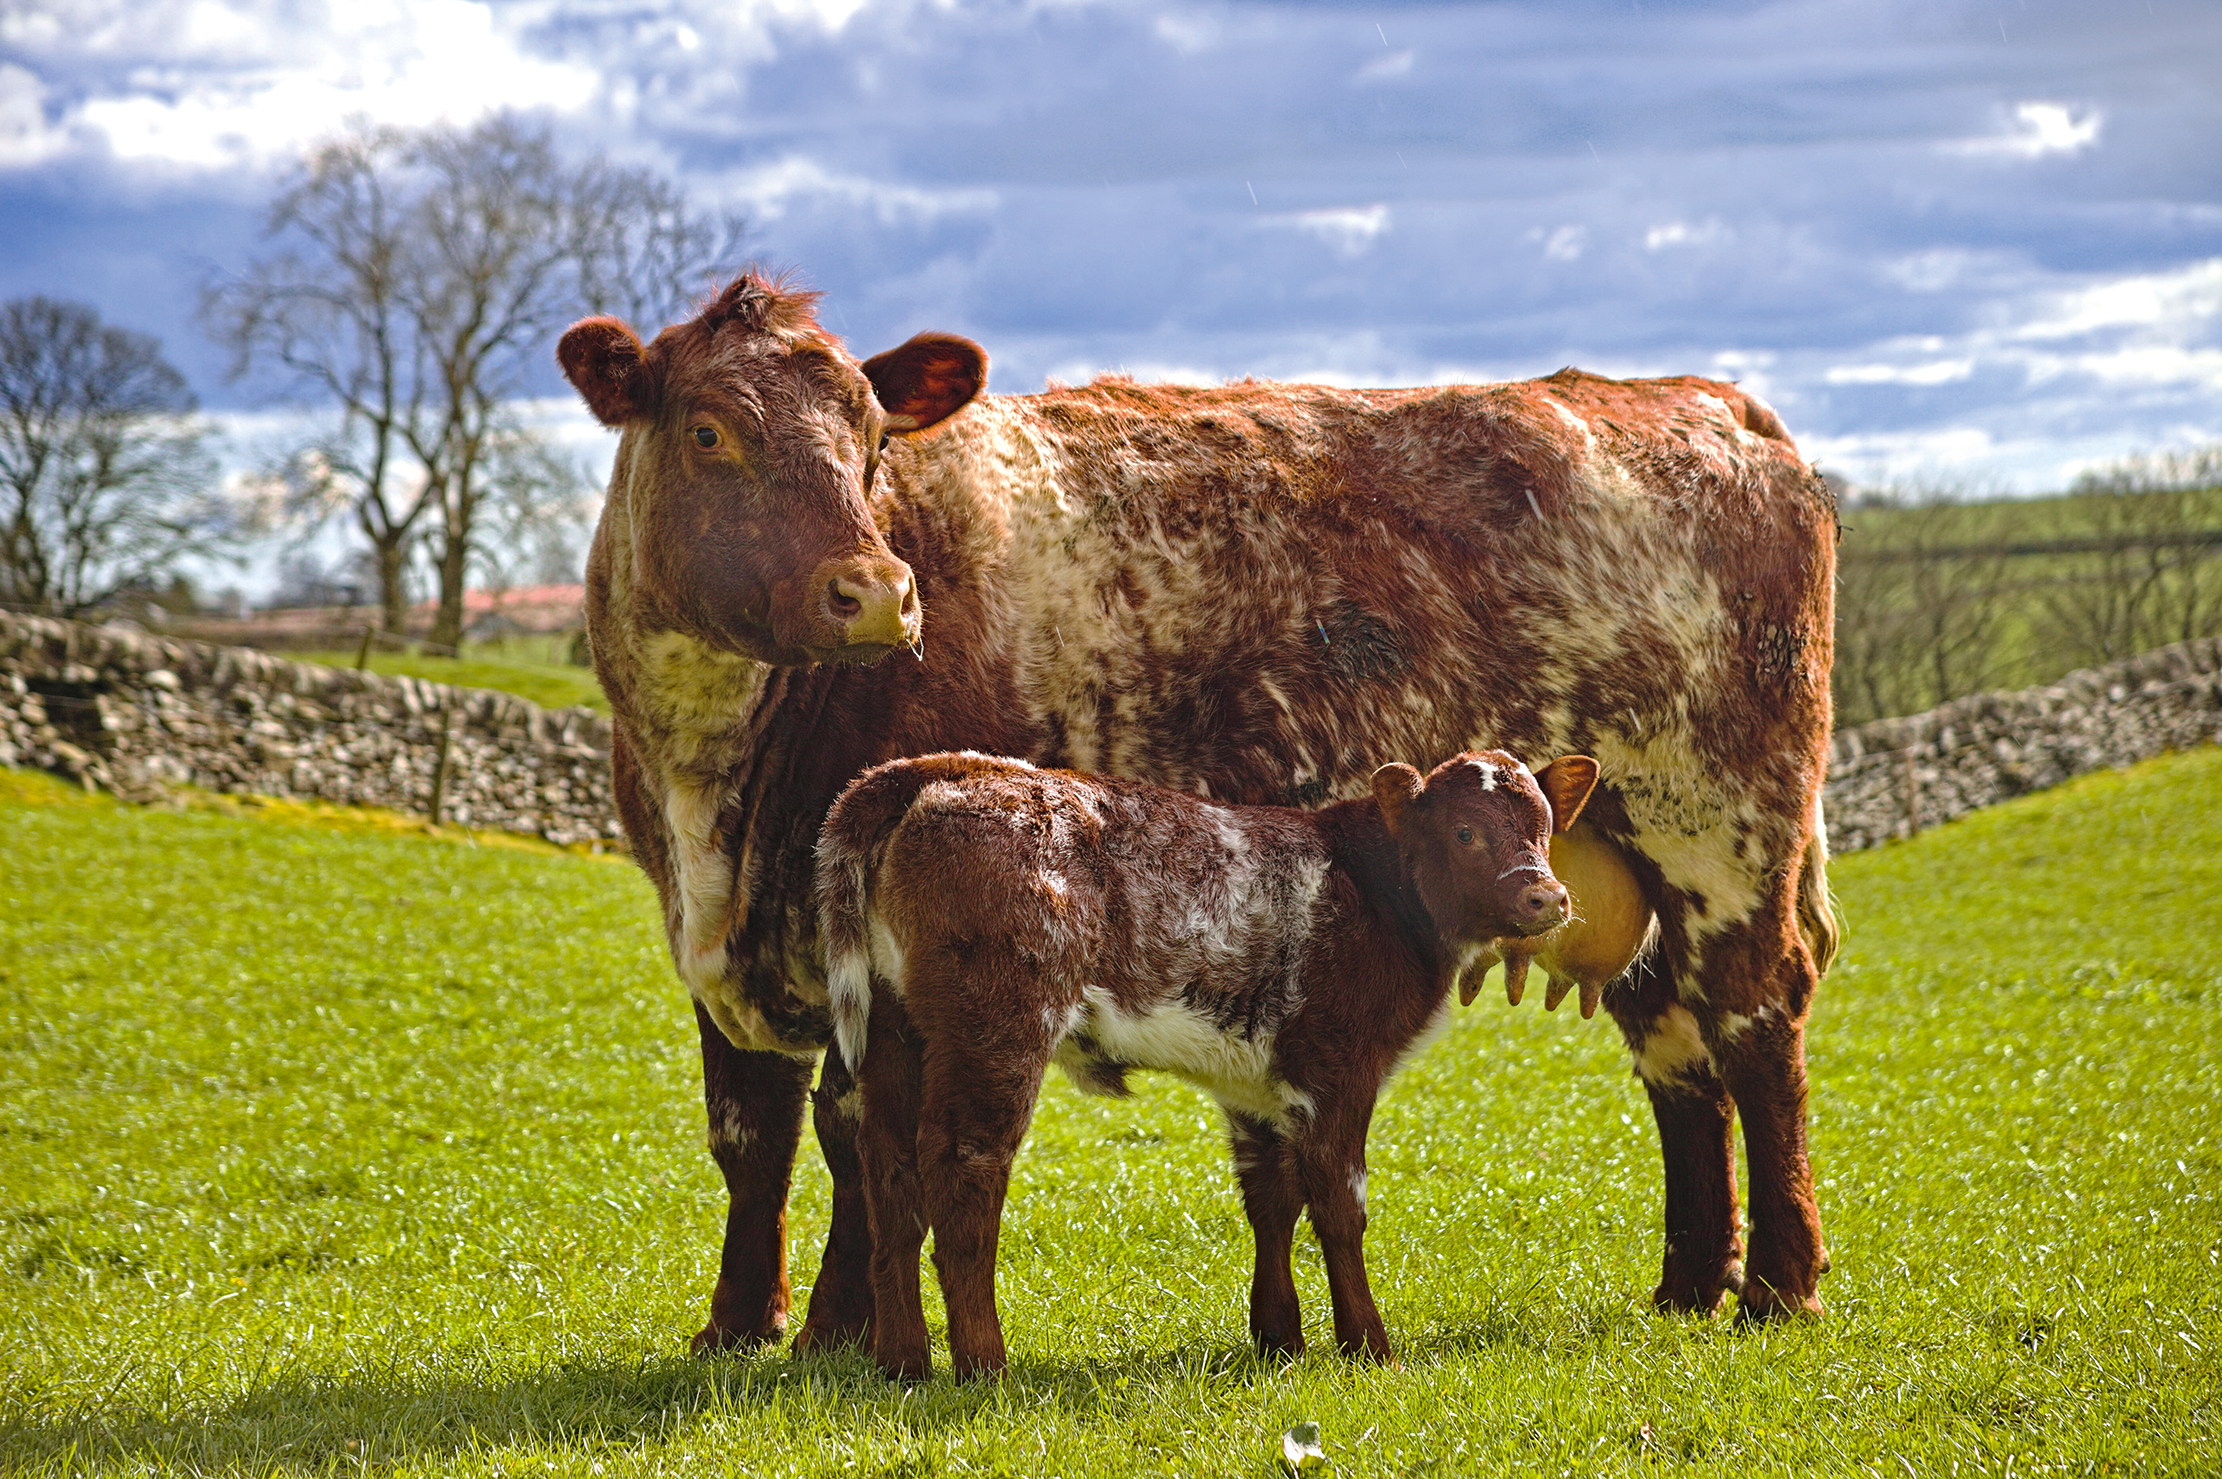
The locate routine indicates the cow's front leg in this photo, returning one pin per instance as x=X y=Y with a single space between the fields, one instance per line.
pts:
x=841 y=1300
x=754 y=1105
x=1762 y=1059
x=1272 y=1200
x=1697 y=1142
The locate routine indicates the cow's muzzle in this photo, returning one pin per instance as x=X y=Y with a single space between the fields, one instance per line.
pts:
x=865 y=609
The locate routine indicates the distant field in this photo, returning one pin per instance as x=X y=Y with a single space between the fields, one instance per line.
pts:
x=331 y=1152
x=552 y=685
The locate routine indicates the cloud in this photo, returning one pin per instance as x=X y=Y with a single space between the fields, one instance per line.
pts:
x=209 y=86
x=1929 y=372
x=1564 y=243
x=1386 y=68
x=774 y=189
x=1349 y=230
x=2038 y=129
x=1707 y=232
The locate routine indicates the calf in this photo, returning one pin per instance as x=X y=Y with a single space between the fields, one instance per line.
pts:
x=985 y=919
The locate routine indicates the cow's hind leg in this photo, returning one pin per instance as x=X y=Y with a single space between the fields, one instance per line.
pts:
x=1697 y=1140
x=1760 y=1055
x=1331 y=1163
x=1272 y=1200
x=841 y=1299
x=754 y=1105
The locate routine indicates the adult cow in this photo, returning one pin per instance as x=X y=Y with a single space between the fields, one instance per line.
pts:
x=808 y=566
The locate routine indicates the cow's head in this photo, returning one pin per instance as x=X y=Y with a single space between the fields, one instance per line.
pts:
x=751 y=442
x=1476 y=832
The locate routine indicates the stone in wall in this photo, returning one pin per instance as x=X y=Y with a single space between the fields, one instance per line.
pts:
x=124 y=711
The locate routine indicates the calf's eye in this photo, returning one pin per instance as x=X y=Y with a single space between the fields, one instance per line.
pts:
x=705 y=436
x=1466 y=835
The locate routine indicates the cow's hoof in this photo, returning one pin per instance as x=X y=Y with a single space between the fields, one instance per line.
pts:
x=918 y=1367
x=1682 y=1297
x=823 y=1337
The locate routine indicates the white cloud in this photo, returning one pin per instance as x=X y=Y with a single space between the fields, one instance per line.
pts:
x=1349 y=230
x=208 y=85
x=1386 y=68
x=1685 y=233
x=2170 y=302
x=771 y=190
x=1931 y=372
x=2038 y=129
x=1565 y=244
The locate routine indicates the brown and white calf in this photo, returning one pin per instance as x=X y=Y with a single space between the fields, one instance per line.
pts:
x=984 y=919
x=1252 y=592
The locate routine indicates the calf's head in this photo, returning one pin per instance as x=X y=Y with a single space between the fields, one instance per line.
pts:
x=1475 y=833
x=751 y=441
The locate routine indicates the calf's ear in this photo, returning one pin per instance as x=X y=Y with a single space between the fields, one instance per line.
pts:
x=1396 y=786
x=604 y=361
x=1567 y=782
x=926 y=380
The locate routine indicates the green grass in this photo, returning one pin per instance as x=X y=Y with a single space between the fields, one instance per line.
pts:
x=332 y=1152
x=551 y=685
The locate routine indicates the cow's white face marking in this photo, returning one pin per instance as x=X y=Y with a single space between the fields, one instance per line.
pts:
x=1672 y=1049
x=1487 y=772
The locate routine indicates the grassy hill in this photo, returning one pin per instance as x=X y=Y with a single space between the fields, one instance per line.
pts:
x=328 y=1151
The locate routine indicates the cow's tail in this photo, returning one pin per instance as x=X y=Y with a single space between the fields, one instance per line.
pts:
x=1818 y=920
x=849 y=848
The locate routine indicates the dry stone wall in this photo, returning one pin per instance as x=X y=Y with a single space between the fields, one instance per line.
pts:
x=1894 y=776
x=136 y=714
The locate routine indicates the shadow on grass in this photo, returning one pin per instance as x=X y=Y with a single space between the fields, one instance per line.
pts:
x=313 y=1424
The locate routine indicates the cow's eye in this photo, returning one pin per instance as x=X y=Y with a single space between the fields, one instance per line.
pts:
x=883 y=441
x=1466 y=835
x=705 y=437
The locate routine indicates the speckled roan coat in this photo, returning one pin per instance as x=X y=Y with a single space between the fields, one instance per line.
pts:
x=1259 y=592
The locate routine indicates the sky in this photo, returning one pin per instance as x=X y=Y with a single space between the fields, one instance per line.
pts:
x=1973 y=243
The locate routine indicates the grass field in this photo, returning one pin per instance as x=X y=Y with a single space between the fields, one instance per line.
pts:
x=334 y=1151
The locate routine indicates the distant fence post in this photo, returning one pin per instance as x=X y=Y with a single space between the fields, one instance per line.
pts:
x=362 y=653
x=439 y=765
x=1909 y=783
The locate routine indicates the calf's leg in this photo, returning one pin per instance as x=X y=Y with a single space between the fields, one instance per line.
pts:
x=1272 y=1200
x=841 y=1299
x=1331 y=1160
x=887 y=1151
x=975 y=1111
x=754 y=1105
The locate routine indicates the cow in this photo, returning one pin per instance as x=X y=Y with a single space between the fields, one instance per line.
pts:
x=983 y=918
x=808 y=566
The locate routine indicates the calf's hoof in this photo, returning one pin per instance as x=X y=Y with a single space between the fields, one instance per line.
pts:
x=823 y=1337
x=1277 y=1347
x=738 y=1324
x=714 y=1339
x=1758 y=1302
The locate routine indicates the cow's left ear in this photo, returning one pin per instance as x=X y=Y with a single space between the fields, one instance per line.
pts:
x=1396 y=786
x=927 y=380
x=1567 y=782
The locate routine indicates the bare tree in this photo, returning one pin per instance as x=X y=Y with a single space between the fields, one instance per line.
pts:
x=541 y=504
x=419 y=278
x=2146 y=535
x=1920 y=614
x=103 y=465
x=328 y=308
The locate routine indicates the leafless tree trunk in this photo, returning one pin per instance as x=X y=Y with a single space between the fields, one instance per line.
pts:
x=102 y=464
x=422 y=275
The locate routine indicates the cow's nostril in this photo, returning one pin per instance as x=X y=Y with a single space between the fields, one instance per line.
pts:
x=843 y=605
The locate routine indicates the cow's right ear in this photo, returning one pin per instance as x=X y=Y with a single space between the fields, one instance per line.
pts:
x=604 y=360
x=1396 y=786
x=927 y=379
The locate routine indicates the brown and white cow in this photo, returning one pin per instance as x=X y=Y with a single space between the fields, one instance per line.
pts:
x=1247 y=592
x=984 y=919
